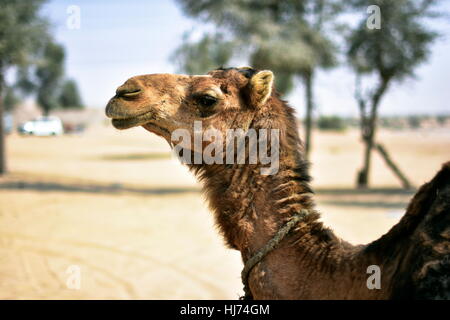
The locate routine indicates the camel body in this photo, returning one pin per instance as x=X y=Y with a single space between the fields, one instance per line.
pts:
x=412 y=260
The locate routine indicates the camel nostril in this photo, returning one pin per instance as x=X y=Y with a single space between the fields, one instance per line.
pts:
x=128 y=92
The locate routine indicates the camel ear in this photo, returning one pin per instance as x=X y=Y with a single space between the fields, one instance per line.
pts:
x=260 y=86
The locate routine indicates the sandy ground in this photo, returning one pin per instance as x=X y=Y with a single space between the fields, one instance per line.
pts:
x=115 y=208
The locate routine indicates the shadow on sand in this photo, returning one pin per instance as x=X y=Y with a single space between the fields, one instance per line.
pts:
x=92 y=188
x=387 y=198
x=375 y=191
x=135 y=156
x=368 y=204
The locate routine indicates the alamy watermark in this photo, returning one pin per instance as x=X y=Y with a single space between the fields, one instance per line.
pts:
x=374 y=280
x=73 y=281
x=211 y=147
x=73 y=20
x=374 y=20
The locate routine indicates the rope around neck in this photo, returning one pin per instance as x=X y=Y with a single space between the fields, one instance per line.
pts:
x=250 y=264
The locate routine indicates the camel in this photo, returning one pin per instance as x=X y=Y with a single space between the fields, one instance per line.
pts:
x=250 y=207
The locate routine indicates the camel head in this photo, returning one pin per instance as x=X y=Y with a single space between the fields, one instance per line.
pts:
x=161 y=103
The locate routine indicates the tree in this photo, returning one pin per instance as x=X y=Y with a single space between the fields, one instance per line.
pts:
x=45 y=78
x=287 y=37
x=388 y=54
x=22 y=31
x=206 y=54
x=331 y=123
x=69 y=97
x=49 y=74
x=10 y=99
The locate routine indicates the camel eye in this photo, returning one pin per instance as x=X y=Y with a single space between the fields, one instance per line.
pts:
x=206 y=100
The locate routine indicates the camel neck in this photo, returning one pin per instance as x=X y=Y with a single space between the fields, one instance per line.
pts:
x=250 y=207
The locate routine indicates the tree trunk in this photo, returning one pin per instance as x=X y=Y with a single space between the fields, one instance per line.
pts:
x=405 y=182
x=308 y=79
x=2 y=130
x=369 y=135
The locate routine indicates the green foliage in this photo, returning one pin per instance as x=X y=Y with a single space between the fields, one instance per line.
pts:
x=402 y=43
x=46 y=78
x=331 y=123
x=210 y=52
x=69 y=97
x=22 y=32
x=284 y=82
x=10 y=99
x=296 y=48
x=25 y=82
x=283 y=36
x=49 y=73
x=441 y=119
x=392 y=122
x=414 y=122
x=26 y=45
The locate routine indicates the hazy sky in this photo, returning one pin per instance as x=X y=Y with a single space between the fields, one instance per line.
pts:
x=120 y=39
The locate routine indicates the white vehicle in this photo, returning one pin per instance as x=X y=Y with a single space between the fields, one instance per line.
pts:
x=43 y=126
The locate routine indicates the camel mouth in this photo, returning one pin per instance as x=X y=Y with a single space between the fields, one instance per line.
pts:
x=121 y=119
x=123 y=122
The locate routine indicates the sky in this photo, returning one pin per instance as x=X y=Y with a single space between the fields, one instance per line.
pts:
x=120 y=39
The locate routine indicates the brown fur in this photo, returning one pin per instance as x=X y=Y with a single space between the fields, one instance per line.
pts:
x=311 y=263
